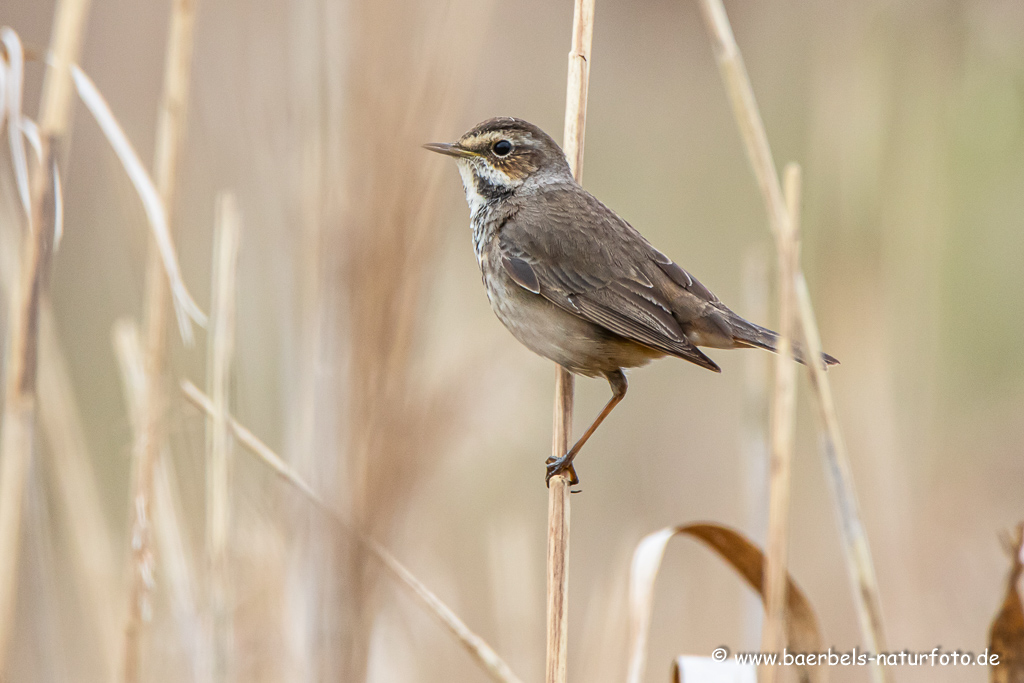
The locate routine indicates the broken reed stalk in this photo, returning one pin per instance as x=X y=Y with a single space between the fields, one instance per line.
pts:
x=219 y=466
x=578 y=80
x=17 y=428
x=169 y=141
x=855 y=543
x=484 y=655
x=783 y=423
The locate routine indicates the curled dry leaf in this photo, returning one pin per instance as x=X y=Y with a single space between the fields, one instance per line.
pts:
x=13 y=81
x=802 y=631
x=3 y=89
x=184 y=306
x=31 y=131
x=1006 y=636
x=58 y=207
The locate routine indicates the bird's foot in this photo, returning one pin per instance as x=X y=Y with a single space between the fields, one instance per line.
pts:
x=560 y=465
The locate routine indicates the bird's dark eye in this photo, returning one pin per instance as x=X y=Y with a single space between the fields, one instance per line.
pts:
x=502 y=148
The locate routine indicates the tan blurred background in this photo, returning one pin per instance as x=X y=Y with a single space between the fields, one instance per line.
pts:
x=908 y=119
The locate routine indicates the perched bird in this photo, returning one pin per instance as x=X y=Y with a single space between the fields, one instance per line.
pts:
x=572 y=280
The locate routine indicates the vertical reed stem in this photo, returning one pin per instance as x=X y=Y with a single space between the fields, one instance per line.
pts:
x=218 y=472
x=170 y=137
x=558 y=537
x=17 y=428
x=783 y=422
x=558 y=492
x=175 y=564
x=855 y=543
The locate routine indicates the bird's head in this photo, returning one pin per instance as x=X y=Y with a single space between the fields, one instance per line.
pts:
x=500 y=155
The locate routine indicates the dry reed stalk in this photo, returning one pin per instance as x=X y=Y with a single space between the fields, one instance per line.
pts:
x=128 y=351
x=783 y=424
x=219 y=465
x=577 y=83
x=185 y=307
x=855 y=544
x=12 y=79
x=69 y=465
x=485 y=656
x=174 y=562
x=312 y=394
x=556 y=662
x=18 y=421
x=863 y=581
x=169 y=141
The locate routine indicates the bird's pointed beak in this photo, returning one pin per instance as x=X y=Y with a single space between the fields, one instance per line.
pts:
x=449 y=149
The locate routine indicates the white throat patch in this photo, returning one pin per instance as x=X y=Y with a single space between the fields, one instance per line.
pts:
x=468 y=169
x=473 y=198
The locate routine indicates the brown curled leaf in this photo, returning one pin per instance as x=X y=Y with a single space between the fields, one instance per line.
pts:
x=802 y=631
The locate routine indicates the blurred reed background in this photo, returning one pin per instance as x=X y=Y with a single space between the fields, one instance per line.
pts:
x=367 y=356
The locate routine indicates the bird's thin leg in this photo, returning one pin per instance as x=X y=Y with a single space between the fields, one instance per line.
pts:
x=617 y=380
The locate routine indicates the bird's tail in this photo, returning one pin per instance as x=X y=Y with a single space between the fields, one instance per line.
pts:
x=746 y=333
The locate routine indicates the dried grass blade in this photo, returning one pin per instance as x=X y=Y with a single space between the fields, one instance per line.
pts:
x=483 y=653
x=31 y=132
x=803 y=633
x=185 y=307
x=744 y=105
x=254 y=444
x=642 y=574
x=128 y=351
x=219 y=460
x=474 y=644
x=3 y=88
x=15 y=78
x=58 y=206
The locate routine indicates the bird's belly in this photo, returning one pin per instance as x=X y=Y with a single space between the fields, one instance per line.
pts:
x=556 y=334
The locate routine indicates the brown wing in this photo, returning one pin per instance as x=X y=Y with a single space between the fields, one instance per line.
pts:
x=585 y=259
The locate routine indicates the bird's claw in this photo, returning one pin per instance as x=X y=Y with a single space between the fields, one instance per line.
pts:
x=558 y=466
